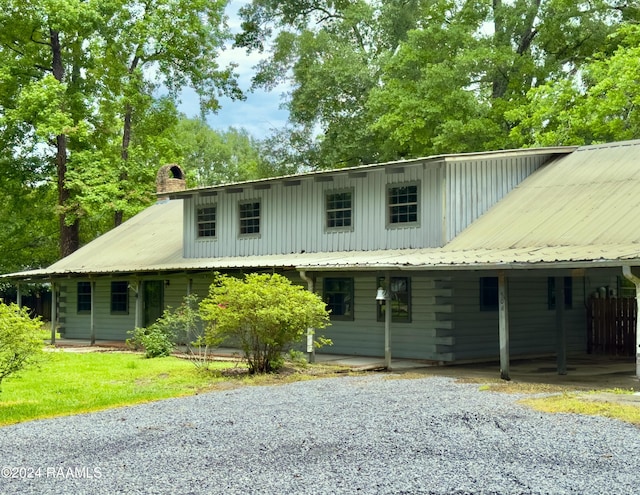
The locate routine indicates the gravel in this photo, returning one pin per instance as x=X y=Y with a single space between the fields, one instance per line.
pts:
x=374 y=434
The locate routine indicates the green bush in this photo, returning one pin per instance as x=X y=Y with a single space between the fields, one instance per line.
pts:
x=20 y=342
x=265 y=314
x=180 y=326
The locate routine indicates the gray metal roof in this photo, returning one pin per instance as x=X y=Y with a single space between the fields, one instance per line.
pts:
x=582 y=210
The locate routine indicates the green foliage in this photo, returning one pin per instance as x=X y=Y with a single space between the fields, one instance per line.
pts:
x=264 y=314
x=157 y=340
x=20 y=344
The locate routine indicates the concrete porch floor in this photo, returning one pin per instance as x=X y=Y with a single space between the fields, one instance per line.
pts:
x=583 y=371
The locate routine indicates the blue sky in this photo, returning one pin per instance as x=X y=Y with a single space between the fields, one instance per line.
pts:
x=260 y=112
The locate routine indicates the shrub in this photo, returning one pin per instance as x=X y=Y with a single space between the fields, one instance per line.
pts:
x=20 y=342
x=173 y=327
x=265 y=314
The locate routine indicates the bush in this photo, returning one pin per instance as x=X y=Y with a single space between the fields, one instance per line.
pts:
x=173 y=327
x=265 y=314
x=20 y=342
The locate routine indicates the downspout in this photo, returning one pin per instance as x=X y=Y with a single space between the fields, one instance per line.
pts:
x=626 y=271
x=311 y=351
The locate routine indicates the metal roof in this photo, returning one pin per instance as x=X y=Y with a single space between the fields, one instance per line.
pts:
x=581 y=210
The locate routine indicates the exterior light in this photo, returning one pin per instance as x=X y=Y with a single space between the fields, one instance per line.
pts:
x=381 y=295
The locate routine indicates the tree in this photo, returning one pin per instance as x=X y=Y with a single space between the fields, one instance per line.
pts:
x=598 y=105
x=263 y=313
x=384 y=80
x=78 y=81
x=20 y=344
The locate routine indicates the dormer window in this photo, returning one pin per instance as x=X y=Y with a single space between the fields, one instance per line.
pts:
x=250 y=218
x=402 y=204
x=339 y=210
x=207 y=221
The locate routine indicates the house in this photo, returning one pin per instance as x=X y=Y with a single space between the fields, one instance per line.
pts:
x=478 y=255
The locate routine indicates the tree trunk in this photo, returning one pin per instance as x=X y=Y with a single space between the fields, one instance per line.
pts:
x=69 y=232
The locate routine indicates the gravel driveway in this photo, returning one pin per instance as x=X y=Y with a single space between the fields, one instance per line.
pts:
x=369 y=434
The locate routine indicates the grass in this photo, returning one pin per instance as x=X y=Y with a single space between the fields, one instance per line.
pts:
x=72 y=383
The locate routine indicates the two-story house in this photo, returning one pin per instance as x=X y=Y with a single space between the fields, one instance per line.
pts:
x=481 y=255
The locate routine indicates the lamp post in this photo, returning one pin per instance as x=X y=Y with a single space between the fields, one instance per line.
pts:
x=385 y=295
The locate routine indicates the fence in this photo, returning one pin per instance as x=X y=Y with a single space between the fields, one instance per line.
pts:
x=612 y=326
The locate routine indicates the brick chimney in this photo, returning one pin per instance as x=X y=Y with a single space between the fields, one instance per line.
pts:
x=170 y=179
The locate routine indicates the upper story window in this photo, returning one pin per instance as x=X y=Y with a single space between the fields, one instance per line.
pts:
x=84 y=297
x=250 y=218
x=402 y=203
x=207 y=221
x=339 y=208
x=120 y=297
x=338 y=294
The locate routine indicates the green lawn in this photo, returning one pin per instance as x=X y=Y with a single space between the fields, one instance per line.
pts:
x=71 y=383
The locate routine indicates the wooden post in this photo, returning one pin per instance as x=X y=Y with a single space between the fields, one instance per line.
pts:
x=387 y=322
x=54 y=312
x=626 y=271
x=138 y=323
x=311 y=351
x=561 y=333
x=19 y=294
x=503 y=319
x=93 y=311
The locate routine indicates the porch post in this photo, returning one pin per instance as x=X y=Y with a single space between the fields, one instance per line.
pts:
x=311 y=351
x=387 y=321
x=626 y=271
x=92 y=283
x=561 y=331
x=19 y=294
x=54 y=312
x=503 y=319
x=139 y=301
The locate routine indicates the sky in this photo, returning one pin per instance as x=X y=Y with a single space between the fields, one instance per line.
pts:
x=260 y=112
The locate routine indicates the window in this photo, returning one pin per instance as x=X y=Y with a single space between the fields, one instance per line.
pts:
x=339 y=210
x=338 y=294
x=84 y=297
x=403 y=204
x=400 y=299
x=568 y=292
x=207 y=221
x=488 y=293
x=120 y=297
x=250 y=218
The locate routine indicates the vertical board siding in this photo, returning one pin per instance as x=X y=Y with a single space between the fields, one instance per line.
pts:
x=293 y=216
x=475 y=186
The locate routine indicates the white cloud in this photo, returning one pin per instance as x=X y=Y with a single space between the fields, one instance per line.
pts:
x=260 y=112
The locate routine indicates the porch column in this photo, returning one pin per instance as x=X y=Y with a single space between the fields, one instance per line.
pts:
x=139 y=302
x=503 y=321
x=189 y=286
x=92 y=283
x=561 y=331
x=311 y=351
x=626 y=271
x=19 y=294
x=54 y=312
x=387 y=321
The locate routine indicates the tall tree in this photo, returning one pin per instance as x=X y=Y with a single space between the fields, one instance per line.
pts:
x=80 y=79
x=396 y=78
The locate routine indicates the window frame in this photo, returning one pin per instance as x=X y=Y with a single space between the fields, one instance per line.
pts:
x=328 y=210
x=551 y=293
x=123 y=287
x=350 y=292
x=488 y=293
x=201 y=222
x=242 y=219
x=395 y=317
x=83 y=301
x=390 y=223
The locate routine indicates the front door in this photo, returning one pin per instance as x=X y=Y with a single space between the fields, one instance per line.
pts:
x=153 y=291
